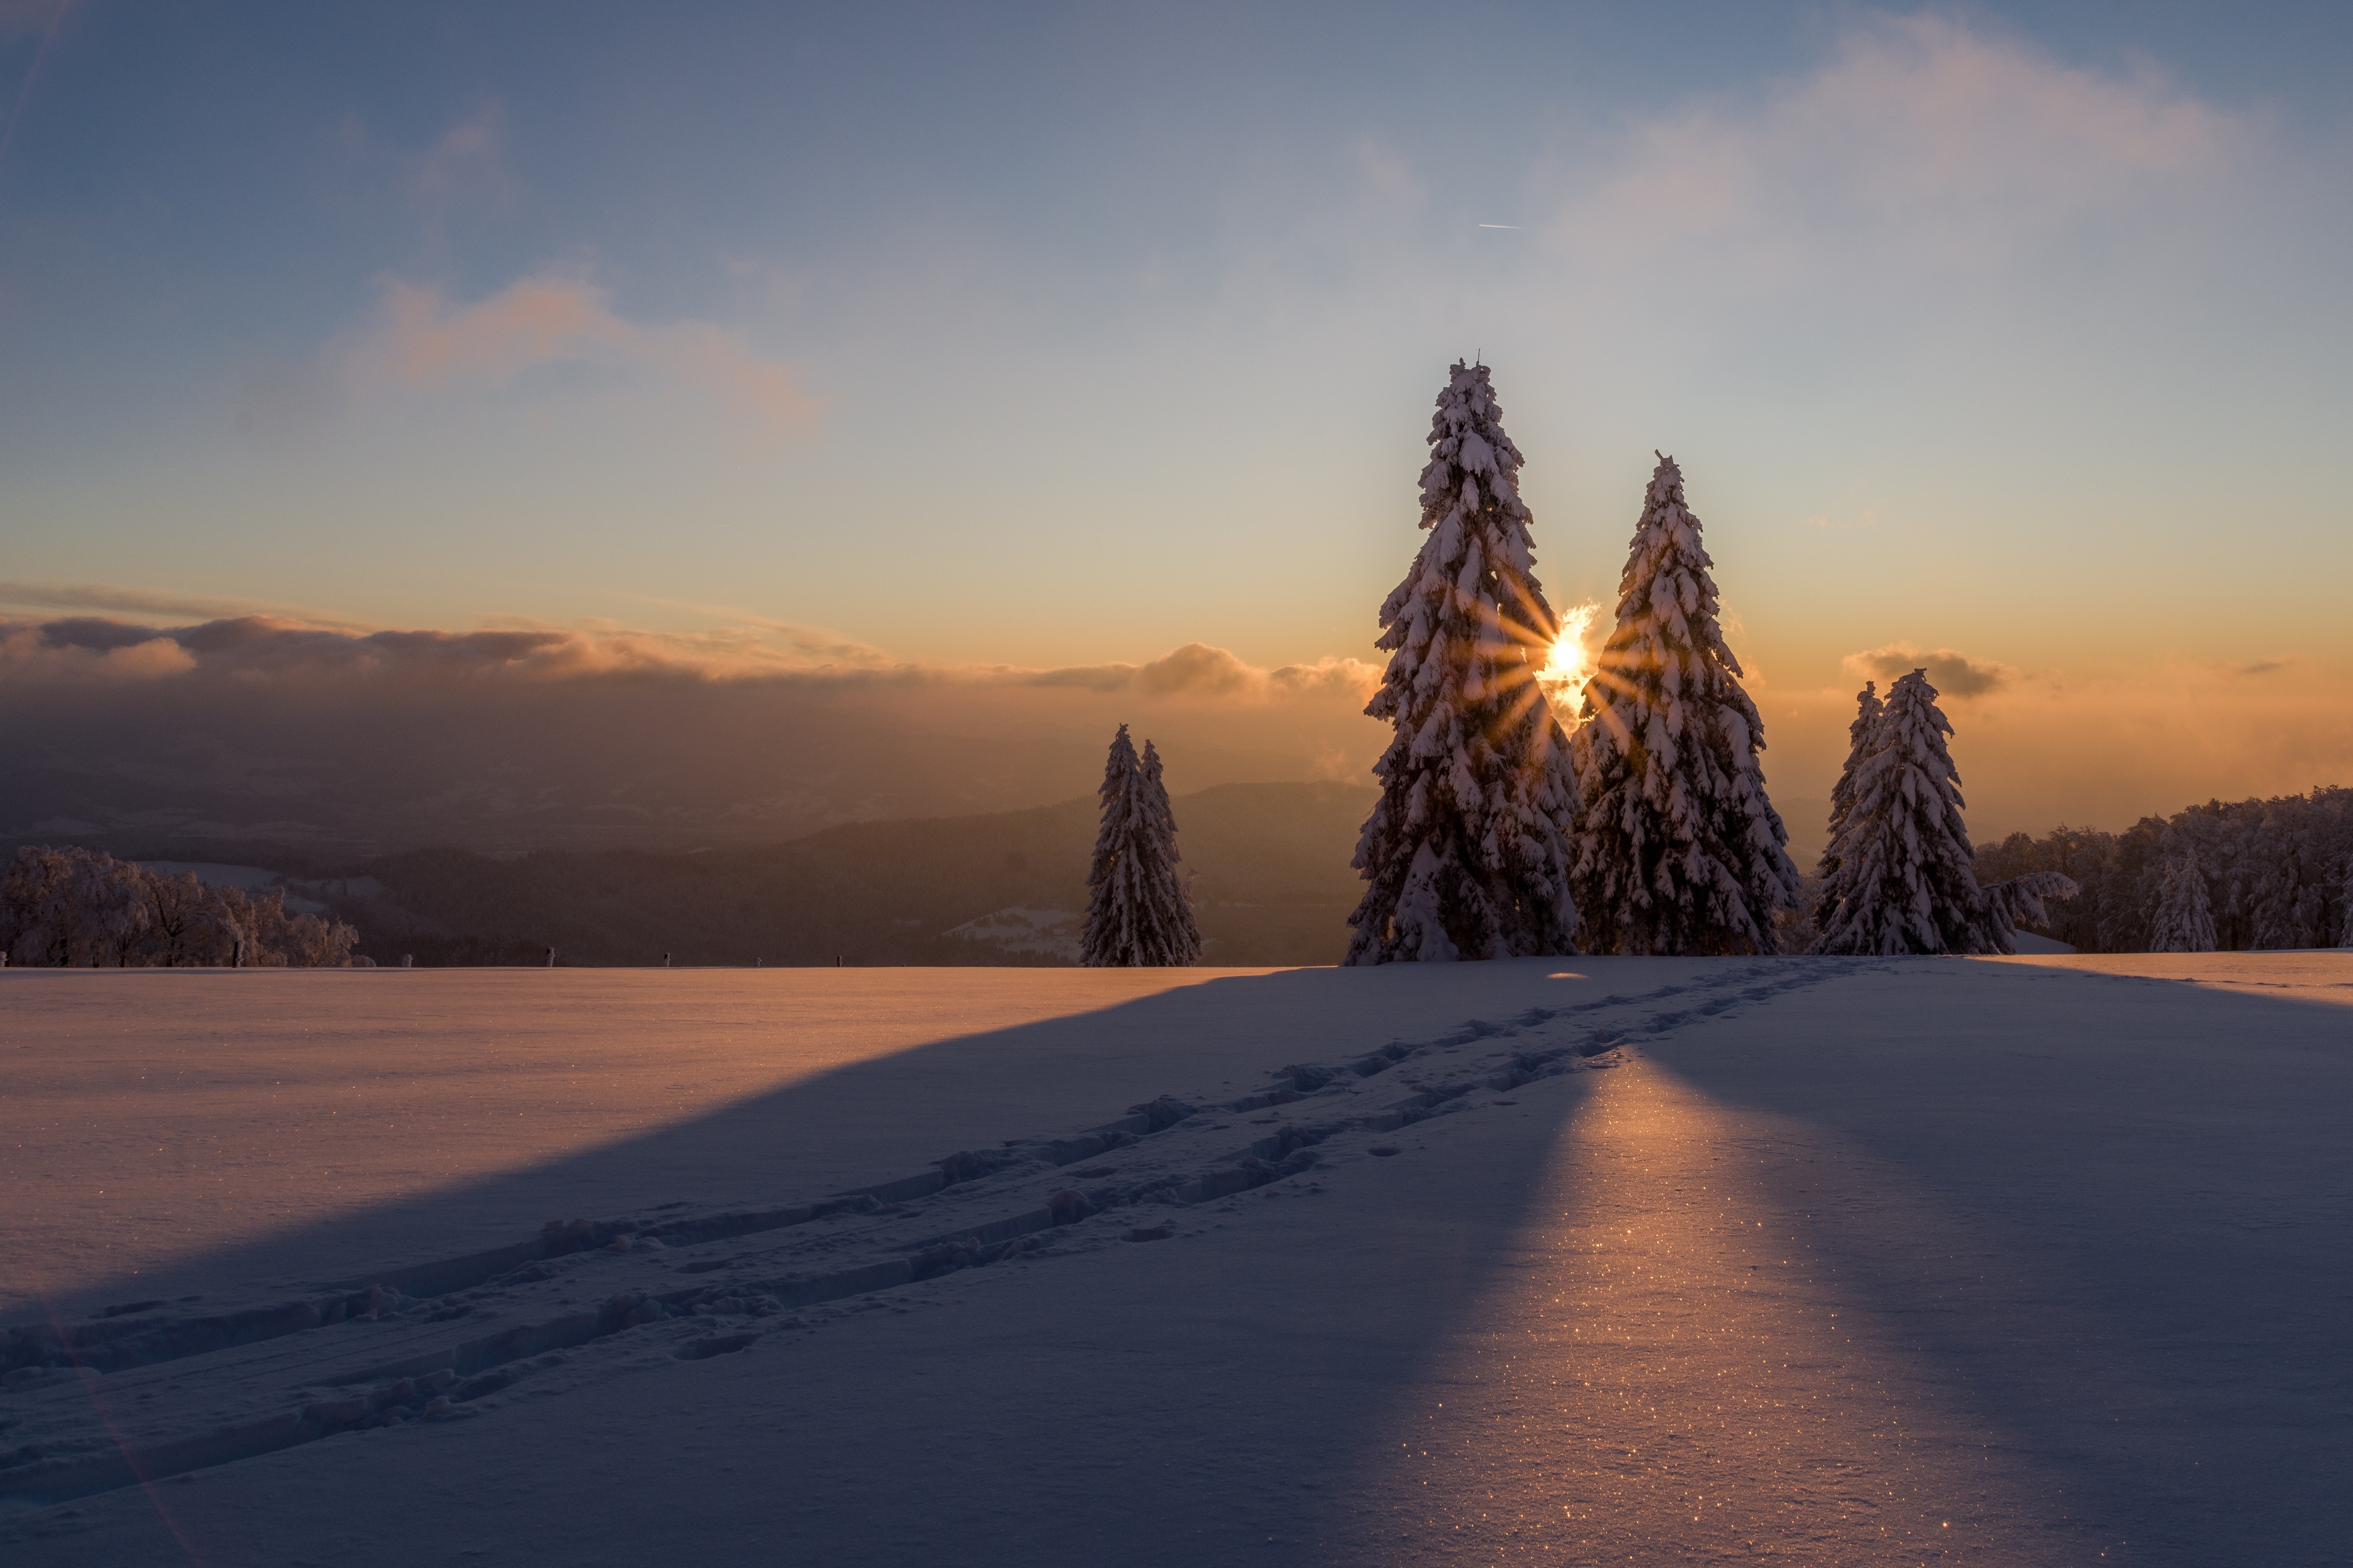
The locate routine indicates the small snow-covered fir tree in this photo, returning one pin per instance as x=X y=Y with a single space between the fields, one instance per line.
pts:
x=1908 y=878
x=1173 y=936
x=1465 y=853
x=2183 y=921
x=1678 y=848
x=1859 y=735
x=1139 y=913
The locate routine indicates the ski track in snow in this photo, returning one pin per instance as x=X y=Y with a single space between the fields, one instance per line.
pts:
x=640 y=1293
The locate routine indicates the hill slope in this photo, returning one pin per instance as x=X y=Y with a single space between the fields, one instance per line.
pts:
x=1269 y=862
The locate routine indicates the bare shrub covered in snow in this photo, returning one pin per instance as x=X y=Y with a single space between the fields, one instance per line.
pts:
x=72 y=908
x=1139 y=910
x=1678 y=850
x=1466 y=853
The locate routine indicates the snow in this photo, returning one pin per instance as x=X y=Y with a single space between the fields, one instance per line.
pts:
x=2027 y=941
x=1842 y=1260
x=1016 y=930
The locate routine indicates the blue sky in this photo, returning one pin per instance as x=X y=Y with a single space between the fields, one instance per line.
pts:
x=1062 y=335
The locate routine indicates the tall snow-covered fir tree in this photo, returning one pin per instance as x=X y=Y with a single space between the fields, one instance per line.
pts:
x=1859 y=734
x=1678 y=850
x=1907 y=877
x=1466 y=853
x=2184 y=918
x=1139 y=912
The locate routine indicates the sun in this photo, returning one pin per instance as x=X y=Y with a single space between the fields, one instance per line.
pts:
x=1568 y=668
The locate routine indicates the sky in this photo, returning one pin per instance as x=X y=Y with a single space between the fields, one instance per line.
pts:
x=981 y=344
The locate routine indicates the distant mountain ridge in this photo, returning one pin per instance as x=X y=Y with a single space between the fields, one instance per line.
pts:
x=1272 y=886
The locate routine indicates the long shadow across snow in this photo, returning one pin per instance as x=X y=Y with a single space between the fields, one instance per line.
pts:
x=2115 y=1212
x=872 y=1119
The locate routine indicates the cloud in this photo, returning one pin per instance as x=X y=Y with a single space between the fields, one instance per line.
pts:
x=423 y=342
x=142 y=602
x=261 y=727
x=1197 y=669
x=1950 y=671
x=1920 y=137
x=253 y=647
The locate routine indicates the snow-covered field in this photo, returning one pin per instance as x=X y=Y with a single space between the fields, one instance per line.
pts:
x=1832 y=1262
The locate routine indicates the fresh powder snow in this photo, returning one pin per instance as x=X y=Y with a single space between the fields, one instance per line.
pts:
x=1605 y=1260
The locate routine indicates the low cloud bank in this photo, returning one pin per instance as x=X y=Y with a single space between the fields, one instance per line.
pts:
x=267 y=729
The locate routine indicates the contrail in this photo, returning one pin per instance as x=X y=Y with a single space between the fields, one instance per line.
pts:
x=32 y=74
x=1498 y=226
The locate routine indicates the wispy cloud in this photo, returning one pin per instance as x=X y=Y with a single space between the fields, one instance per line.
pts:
x=423 y=342
x=250 y=646
x=1921 y=138
x=107 y=598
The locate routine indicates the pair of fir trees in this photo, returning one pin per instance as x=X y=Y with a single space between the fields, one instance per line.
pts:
x=1648 y=829
x=1899 y=875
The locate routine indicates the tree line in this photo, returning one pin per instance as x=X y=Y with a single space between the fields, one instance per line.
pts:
x=2227 y=876
x=81 y=909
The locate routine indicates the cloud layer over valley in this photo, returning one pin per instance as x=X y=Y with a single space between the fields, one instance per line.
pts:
x=261 y=728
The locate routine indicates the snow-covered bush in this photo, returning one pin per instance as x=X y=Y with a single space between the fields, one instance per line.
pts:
x=1466 y=854
x=2023 y=901
x=1678 y=850
x=1139 y=910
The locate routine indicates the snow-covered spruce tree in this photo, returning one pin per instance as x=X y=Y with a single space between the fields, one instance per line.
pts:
x=1678 y=850
x=1466 y=853
x=1867 y=710
x=1907 y=871
x=2183 y=921
x=1139 y=915
x=1174 y=937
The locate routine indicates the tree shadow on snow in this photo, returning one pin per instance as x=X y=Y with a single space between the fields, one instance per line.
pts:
x=2118 y=1210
